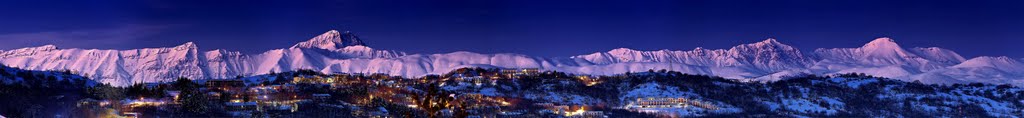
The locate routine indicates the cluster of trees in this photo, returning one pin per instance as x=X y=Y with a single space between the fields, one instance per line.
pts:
x=193 y=101
x=39 y=93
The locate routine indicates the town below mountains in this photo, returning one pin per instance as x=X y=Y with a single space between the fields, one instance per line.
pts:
x=344 y=52
x=337 y=75
x=511 y=93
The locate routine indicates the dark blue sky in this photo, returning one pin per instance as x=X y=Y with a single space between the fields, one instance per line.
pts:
x=536 y=27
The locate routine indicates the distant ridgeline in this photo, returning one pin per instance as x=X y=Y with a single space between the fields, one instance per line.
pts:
x=653 y=93
x=344 y=52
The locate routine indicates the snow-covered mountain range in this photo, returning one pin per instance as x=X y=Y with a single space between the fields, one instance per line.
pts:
x=344 y=52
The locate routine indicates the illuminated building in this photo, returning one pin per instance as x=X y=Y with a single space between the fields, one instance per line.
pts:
x=521 y=72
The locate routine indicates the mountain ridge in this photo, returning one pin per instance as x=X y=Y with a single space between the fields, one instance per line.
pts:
x=331 y=40
x=337 y=52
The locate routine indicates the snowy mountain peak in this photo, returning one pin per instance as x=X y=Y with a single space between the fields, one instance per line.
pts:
x=996 y=62
x=885 y=48
x=45 y=47
x=940 y=55
x=331 y=40
x=769 y=43
x=27 y=51
x=989 y=58
x=769 y=54
x=187 y=45
x=698 y=48
x=884 y=42
x=37 y=48
x=621 y=50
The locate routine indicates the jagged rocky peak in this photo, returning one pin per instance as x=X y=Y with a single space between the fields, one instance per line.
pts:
x=222 y=52
x=999 y=58
x=770 y=43
x=33 y=49
x=43 y=47
x=769 y=50
x=186 y=46
x=26 y=51
x=621 y=50
x=332 y=40
x=47 y=47
x=770 y=54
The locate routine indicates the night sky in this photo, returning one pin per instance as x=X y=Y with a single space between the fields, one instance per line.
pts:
x=545 y=28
